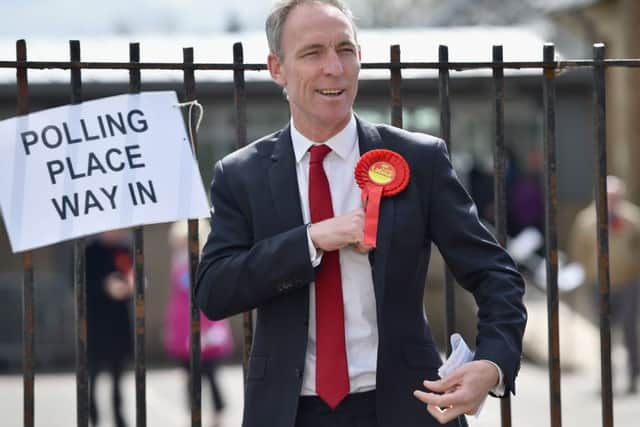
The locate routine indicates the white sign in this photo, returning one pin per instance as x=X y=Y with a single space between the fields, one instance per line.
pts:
x=111 y=163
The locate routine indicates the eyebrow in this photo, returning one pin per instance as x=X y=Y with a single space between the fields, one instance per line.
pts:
x=314 y=46
x=347 y=43
x=309 y=47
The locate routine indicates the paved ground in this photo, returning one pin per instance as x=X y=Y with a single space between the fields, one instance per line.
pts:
x=167 y=405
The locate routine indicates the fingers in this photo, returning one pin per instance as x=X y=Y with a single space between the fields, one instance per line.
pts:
x=444 y=384
x=362 y=248
x=357 y=243
x=445 y=407
x=462 y=392
x=445 y=415
x=340 y=231
x=439 y=400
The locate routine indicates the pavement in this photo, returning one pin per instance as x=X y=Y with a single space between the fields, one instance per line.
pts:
x=167 y=403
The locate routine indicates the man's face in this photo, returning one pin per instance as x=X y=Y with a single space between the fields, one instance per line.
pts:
x=319 y=69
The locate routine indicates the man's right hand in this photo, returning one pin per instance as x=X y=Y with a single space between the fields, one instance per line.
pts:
x=340 y=231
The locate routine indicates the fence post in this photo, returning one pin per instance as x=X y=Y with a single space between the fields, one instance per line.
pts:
x=600 y=163
x=80 y=279
x=551 y=234
x=27 y=269
x=138 y=254
x=396 y=84
x=499 y=190
x=240 y=104
x=445 y=133
x=194 y=337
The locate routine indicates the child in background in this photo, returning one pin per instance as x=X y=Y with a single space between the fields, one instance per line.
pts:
x=215 y=336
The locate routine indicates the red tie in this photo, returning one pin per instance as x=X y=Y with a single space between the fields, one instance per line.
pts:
x=332 y=376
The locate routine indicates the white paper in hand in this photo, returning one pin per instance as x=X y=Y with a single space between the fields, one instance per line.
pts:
x=460 y=354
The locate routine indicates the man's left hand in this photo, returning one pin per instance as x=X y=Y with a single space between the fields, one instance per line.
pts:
x=462 y=392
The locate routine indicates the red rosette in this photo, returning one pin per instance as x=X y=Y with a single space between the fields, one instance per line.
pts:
x=379 y=173
x=399 y=179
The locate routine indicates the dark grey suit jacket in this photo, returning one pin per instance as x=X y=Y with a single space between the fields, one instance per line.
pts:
x=257 y=257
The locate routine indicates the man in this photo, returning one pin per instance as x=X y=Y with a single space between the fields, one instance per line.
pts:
x=624 y=269
x=341 y=338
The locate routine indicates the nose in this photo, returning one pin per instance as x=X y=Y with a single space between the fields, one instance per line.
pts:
x=332 y=64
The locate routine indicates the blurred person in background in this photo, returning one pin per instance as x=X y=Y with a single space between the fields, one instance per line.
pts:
x=109 y=316
x=215 y=336
x=624 y=268
x=526 y=195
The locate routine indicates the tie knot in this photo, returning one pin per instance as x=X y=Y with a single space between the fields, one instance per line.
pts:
x=319 y=152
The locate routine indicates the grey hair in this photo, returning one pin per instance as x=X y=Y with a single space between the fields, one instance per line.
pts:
x=279 y=13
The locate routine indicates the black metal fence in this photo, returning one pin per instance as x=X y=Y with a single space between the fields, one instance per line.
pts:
x=549 y=68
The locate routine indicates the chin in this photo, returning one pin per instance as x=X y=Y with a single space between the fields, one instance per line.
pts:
x=334 y=120
x=336 y=114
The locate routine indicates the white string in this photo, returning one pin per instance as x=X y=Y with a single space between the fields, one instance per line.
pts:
x=192 y=104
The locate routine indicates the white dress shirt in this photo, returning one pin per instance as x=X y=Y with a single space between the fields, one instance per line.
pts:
x=361 y=331
x=361 y=328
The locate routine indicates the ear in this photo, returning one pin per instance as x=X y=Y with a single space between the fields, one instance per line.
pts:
x=276 y=70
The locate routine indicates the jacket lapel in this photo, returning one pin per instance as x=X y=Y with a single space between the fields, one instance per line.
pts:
x=284 y=187
x=284 y=181
x=369 y=139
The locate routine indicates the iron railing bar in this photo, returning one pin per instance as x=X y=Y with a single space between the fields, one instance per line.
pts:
x=600 y=164
x=457 y=66
x=80 y=279
x=445 y=133
x=195 y=379
x=500 y=187
x=396 y=87
x=551 y=233
x=28 y=375
x=240 y=105
x=239 y=95
x=500 y=200
x=138 y=253
x=177 y=66
x=471 y=65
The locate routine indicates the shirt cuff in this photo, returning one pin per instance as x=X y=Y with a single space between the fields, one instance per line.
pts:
x=315 y=255
x=498 y=390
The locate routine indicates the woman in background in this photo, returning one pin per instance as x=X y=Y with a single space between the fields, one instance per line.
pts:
x=215 y=336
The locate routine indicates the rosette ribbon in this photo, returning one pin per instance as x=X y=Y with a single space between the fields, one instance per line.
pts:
x=379 y=173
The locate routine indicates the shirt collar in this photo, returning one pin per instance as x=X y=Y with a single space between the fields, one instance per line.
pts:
x=341 y=143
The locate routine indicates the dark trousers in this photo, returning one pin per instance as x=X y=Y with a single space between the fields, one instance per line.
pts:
x=624 y=303
x=624 y=312
x=115 y=368
x=208 y=369
x=356 y=410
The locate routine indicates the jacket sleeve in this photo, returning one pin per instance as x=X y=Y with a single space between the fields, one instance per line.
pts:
x=237 y=273
x=481 y=266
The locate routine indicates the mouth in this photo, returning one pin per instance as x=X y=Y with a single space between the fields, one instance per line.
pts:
x=330 y=92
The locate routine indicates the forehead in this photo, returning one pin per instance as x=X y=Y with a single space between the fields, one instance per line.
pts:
x=315 y=23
